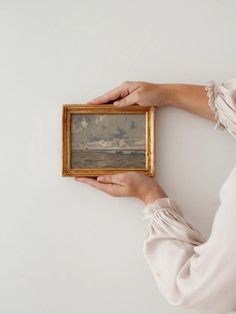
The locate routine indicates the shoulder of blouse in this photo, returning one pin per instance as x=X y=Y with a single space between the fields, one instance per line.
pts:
x=222 y=100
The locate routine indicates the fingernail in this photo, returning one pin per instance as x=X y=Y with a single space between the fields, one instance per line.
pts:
x=116 y=103
x=99 y=178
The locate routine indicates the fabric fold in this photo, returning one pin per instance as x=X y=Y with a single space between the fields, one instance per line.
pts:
x=165 y=219
x=222 y=101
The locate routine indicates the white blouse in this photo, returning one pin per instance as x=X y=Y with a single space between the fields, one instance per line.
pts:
x=189 y=271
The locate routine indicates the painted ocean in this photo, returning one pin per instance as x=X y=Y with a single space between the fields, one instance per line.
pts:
x=101 y=158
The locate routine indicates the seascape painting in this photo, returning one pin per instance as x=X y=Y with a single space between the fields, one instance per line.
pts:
x=108 y=140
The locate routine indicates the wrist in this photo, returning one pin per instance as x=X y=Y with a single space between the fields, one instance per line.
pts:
x=153 y=195
x=170 y=94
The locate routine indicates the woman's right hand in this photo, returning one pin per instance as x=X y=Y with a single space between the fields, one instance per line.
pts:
x=141 y=93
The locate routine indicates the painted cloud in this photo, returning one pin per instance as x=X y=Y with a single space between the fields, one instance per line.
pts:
x=108 y=131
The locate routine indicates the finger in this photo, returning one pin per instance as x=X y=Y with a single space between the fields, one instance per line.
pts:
x=94 y=183
x=111 y=189
x=117 y=92
x=114 y=179
x=129 y=100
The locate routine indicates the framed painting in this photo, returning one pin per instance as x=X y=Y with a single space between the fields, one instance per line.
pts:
x=104 y=139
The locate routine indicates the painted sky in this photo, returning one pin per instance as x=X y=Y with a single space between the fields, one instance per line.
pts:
x=108 y=131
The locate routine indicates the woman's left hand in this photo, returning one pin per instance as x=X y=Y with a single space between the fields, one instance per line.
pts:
x=127 y=184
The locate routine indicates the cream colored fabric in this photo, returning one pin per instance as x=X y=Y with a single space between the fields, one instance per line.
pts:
x=222 y=100
x=189 y=271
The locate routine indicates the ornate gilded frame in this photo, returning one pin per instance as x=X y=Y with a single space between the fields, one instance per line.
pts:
x=68 y=110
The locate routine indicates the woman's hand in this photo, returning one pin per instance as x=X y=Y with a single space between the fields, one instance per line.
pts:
x=192 y=98
x=127 y=184
x=141 y=93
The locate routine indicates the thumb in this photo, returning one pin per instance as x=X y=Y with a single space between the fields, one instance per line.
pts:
x=129 y=100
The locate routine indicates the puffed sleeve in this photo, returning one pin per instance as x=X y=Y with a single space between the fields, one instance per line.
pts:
x=190 y=271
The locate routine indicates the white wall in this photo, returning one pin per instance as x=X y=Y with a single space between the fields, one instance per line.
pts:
x=66 y=248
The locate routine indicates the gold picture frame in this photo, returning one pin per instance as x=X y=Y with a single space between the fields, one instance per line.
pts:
x=77 y=111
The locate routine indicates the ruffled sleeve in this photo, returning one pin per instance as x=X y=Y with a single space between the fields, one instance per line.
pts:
x=222 y=100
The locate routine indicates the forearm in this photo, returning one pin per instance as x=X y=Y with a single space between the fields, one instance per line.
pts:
x=192 y=98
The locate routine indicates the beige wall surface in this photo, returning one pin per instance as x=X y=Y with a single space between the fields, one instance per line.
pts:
x=66 y=248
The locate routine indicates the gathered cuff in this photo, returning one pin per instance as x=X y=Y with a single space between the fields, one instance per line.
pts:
x=166 y=220
x=213 y=92
x=165 y=210
x=161 y=203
